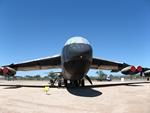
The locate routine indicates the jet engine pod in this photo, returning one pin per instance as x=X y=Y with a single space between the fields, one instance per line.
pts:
x=9 y=71
x=147 y=73
x=128 y=70
x=138 y=70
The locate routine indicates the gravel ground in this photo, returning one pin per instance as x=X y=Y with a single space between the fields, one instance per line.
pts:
x=133 y=98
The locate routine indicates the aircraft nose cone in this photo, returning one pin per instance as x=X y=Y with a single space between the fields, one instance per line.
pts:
x=76 y=68
x=77 y=58
x=79 y=47
x=80 y=50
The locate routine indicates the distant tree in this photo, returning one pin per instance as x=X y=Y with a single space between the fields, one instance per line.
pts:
x=45 y=78
x=93 y=77
x=101 y=75
x=52 y=75
x=37 y=77
x=28 y=77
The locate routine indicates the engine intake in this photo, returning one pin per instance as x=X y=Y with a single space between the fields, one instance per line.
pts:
x=139 y=69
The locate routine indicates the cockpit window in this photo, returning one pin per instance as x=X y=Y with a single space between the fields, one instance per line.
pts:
x=77 y=40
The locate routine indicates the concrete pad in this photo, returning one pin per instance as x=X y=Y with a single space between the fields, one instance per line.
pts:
x=132 y=98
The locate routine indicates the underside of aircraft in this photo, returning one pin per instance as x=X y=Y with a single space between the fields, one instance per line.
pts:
x=75 y=61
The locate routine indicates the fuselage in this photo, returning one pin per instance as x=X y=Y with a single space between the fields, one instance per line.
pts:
x=76 y=58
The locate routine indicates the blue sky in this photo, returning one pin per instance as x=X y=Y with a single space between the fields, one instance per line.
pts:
x=118 y=30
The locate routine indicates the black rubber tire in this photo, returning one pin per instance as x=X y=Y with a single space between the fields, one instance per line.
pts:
x=59 y=83
x=148 y=79
x=82 y=83
x=76 y=83
x=65 y=83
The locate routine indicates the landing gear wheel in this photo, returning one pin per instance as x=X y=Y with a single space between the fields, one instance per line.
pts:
x=65 y=83
x=82 y=82
x=59 y=83
x=148 y=79
x=76 y=83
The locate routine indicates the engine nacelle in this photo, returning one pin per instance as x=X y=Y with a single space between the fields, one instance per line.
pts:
x=128 y=70
x=147 y=73
x=139 y=69
x=9 y=71
x=1 y=71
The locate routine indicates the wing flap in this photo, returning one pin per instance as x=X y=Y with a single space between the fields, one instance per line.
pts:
x=99 y=63
x=38 y=64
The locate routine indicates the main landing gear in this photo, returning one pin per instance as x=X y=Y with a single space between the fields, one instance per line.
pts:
x=69 y=83
x=79 y=83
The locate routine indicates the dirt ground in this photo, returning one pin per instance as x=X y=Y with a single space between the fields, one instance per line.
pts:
x=133 y=98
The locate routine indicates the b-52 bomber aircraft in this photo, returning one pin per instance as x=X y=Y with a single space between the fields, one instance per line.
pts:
x=75 y=61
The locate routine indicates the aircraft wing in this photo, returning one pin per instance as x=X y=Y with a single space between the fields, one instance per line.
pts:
x=37 y=64
x=145 y=69
x=99 y=63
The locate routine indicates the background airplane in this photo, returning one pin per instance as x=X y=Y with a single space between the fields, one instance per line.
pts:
x=75 y=61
